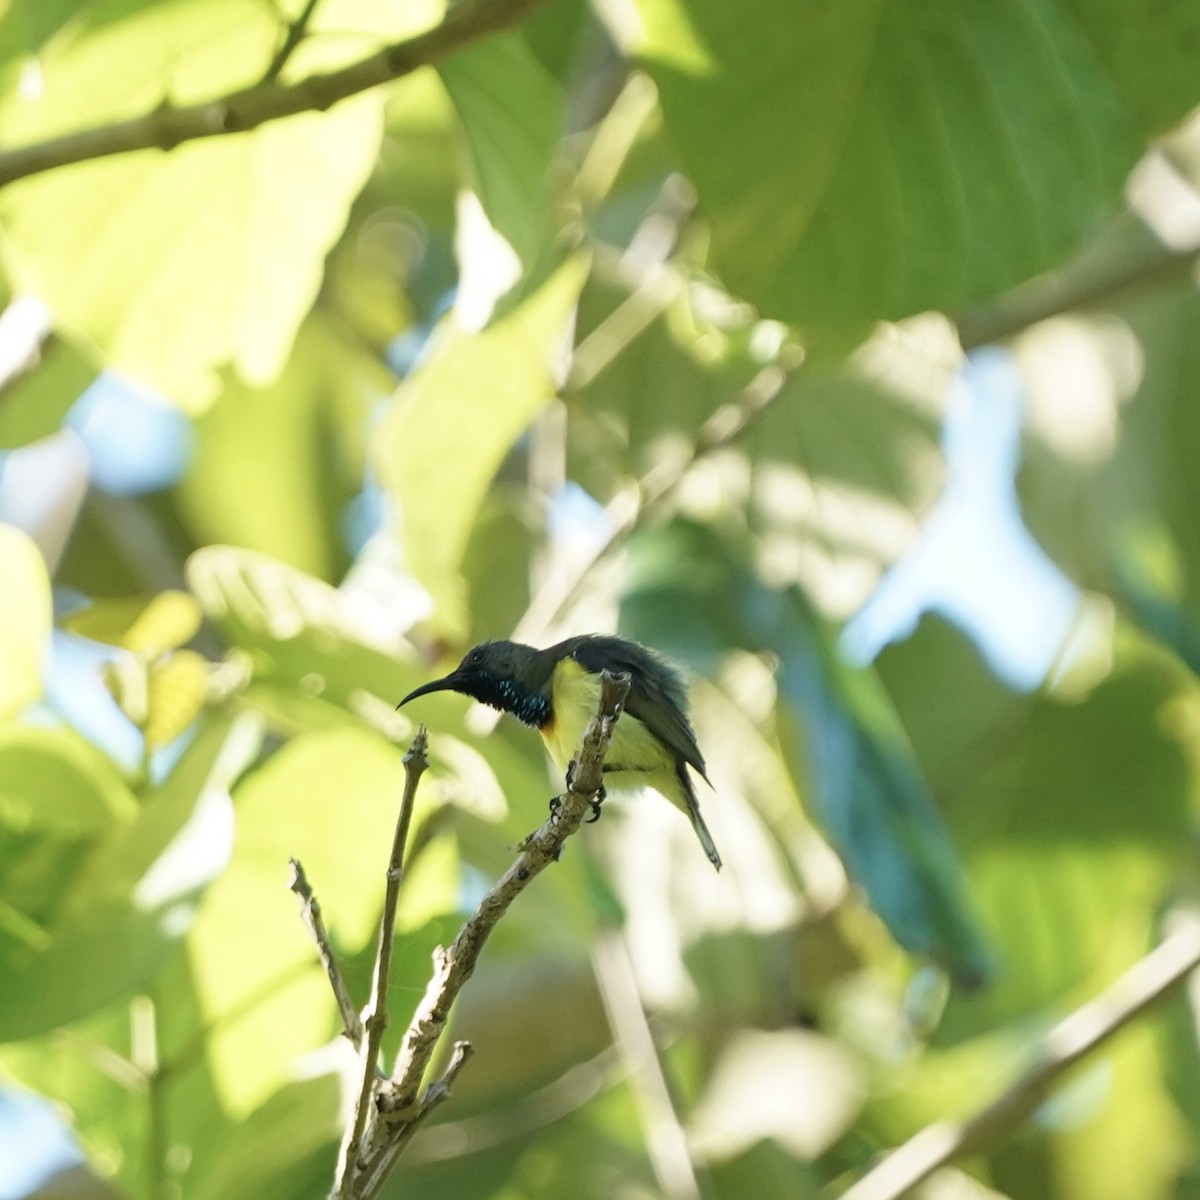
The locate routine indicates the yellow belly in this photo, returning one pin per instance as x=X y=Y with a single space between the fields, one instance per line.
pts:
x=635 y=758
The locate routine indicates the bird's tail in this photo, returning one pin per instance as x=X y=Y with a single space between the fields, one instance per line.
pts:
x=693 y=810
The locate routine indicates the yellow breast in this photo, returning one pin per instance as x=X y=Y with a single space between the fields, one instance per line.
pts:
x=574 y=697
x=636 y=758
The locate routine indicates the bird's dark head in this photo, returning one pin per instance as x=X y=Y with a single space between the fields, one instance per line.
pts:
x=506 y=675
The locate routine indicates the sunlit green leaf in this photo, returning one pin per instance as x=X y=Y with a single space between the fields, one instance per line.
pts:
x=451 y=424
x=1073 y=835
x=283 y=1145
x=285 y=503
x=147 y=626
x=897 y=154
x=130 y=891
x=512 y=135
x=59 y=797
x=835 y=468
x=330 y=800
x=24 y=620
x=106 y=1108
x=300 y=630
x=176 y=265
x=177 y=692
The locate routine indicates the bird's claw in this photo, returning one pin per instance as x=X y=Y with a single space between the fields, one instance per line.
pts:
x=601 y=796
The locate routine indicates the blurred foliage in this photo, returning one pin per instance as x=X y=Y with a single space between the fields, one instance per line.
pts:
x=634 y=317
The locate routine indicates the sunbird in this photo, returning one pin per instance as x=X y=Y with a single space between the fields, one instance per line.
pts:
x=557 y=691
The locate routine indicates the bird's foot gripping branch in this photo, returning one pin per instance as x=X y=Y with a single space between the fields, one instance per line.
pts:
x=389 y=1108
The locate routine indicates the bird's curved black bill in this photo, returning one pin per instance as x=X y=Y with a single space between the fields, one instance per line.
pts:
x=450 y=683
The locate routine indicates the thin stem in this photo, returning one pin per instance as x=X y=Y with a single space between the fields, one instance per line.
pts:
x=143 y=1052
x=375 y=1021
x=1131 y=258
x=310 y=910
x=1070 y=1040
x=435 y=1094
x=397 y=1101
x=297 y=30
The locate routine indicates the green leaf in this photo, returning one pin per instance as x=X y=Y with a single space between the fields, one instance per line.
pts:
x=1151 y=493
x=840 y=735
x=284 y=503
x=1073 y=837
x=176 y=693
x=106 y=1108
x=278 y=1149
x=1109 y=1132
x=129 y=897
x=301 y=631
x=456 y=417
x=36 y=403
x=897 y=154
x=329 y=799
x=177 y=264
x=832 y=475
x=512 y=135
x=59 y=797
x=25 y=619
x=148 y=626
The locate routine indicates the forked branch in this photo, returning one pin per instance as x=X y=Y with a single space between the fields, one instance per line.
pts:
x=390 y=1108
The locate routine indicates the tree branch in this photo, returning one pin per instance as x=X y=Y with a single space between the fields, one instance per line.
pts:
x=166 y=127
x=1070 y=1040
x=376 y=1018
x=453 y=967
x=1129 y=259
x=310 y=910
x=434 y=1095
x=389 y=1111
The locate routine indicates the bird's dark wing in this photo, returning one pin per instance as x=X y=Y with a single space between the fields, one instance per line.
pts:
x=657 y=693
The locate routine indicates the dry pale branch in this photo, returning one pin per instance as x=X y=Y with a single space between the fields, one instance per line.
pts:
x=389 y=1110
x=399 y=1103
x=375 y=1017
x=310 y=910
x=1063 y=1046
x=236 y=112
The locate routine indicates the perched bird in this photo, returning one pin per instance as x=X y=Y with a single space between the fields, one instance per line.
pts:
x=557 y=691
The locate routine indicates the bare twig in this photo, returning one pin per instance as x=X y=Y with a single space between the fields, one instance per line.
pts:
x=310 y=910
x=434 y=1095
x=398 y=1102
x=1069 y=1041
x=236 y=112
x=370 y=1147
x=375 y=1018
